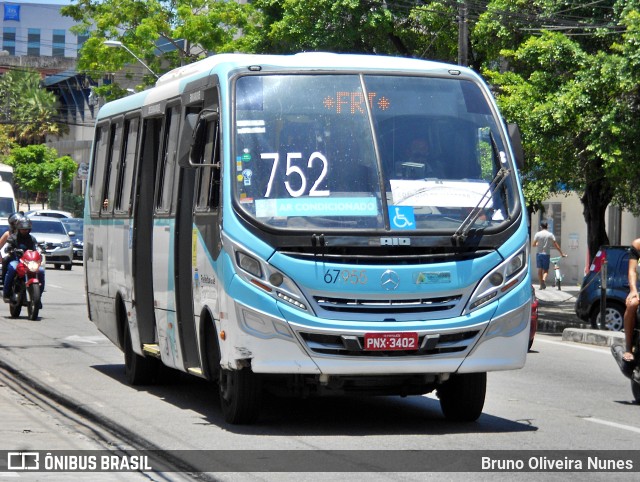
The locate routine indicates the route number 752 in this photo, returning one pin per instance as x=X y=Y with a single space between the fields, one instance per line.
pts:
x=295 y=171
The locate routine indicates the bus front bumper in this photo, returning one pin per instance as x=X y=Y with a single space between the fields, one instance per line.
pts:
x=273 y=345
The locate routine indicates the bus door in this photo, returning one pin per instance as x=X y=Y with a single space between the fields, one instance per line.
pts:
x=163 y=242
x=186 y=273
x=141 y=239
x=206 y=237
x=107 y=145
x=120 y=245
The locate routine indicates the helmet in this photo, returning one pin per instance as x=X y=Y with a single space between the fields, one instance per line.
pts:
x=14 y=219
x=24 y=223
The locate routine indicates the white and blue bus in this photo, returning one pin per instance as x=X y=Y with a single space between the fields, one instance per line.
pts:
x=315 y=223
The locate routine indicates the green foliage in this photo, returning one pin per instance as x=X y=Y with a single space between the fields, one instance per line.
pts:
x=195 y=29
x=6 y=143
x=72 y=203
x=186 y=30
x=578 y=110
x=29 y=111
x=290 y=26
x=36 y=168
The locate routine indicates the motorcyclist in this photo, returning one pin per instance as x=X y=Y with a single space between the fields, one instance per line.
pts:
x=13 y=223
x=631 y=302
x=23 y=240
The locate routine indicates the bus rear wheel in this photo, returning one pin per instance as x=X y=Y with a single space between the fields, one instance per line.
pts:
x=240 y=394
x=138 y=369
x=462 y=396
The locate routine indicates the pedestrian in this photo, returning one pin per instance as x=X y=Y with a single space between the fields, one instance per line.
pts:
x=544 y=240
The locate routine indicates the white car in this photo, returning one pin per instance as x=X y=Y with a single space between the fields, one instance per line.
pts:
x=51 y=235
x=51 y=213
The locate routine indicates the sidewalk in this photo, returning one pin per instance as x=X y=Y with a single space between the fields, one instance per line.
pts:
x=556 y=314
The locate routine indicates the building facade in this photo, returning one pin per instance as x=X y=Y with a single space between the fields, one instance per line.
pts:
x=563 y=214
x=38 y=29
x=36 y=36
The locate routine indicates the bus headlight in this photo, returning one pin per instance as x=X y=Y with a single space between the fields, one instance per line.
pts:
x=249 y=264
x=262 y=275
x=500 y=280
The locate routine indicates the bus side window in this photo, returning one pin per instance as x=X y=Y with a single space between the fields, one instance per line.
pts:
x=166 y=168
x=127 y=163
x=208 y=189
x=113 y=166
x=96 y=181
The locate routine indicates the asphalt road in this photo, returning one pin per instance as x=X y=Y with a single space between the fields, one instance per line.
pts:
x=569 y=396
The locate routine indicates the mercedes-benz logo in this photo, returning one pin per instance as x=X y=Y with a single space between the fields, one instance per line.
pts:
x=389 y=280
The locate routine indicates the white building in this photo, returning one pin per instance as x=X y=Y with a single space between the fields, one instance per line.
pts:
x=36 y=28
x=566 y=221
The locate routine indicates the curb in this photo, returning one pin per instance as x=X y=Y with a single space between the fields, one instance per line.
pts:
x=593 y=337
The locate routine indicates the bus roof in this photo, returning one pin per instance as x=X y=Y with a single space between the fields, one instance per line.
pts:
x=172 y=83
x=305 y=60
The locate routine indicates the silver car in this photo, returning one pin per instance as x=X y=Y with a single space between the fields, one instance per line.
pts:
x=51 y=235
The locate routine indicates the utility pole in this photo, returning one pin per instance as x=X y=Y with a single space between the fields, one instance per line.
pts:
x=463 y=34
x=60 y=191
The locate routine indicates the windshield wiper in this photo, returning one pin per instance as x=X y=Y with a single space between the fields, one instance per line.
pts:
x=462 y=233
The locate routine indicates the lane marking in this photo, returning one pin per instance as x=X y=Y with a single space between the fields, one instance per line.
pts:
x=602 y=349
x=612 y=424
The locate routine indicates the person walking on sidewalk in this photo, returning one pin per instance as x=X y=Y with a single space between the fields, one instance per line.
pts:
x=544 y=240
x=632 y=300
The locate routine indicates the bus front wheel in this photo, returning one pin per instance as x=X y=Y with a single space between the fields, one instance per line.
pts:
x=462 y=396
x=138 y=369
x=240 y=394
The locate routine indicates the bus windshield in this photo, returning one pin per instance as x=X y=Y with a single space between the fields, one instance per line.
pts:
x=373 y=152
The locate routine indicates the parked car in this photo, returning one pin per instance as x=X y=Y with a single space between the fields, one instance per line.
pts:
x=588 y=301
x=51 y=235
x=534 y=317
x=75 y=230
x=52 y=213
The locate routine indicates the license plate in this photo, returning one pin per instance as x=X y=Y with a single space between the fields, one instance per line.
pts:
x=390 y=341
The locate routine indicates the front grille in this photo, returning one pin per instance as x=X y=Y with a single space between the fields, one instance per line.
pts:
x=429 y=345
x=382 y=255
x=388 y=306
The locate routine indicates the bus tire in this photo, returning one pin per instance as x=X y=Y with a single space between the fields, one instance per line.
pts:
x=462 y=396
x=212 y=351
x=240 y=394
x=139 y=370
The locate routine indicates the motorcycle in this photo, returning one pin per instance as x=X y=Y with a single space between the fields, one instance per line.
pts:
x=26 y=289
x=630 y=369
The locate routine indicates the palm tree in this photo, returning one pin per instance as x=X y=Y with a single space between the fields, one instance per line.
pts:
x=29 y=110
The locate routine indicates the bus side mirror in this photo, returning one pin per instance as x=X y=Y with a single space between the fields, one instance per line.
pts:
x=516 y=144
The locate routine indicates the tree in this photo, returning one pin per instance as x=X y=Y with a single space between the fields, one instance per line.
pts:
x=30 y=112
x=392 y=28
x=6 y=144
x=164 y=34
x=193 y=29
x=37 y=168
x=579 y=115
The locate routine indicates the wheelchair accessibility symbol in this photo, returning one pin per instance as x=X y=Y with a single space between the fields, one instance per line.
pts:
x=402 y=217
